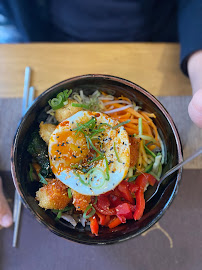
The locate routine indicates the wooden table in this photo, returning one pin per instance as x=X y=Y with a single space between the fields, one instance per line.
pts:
x=153 y=66
x=175 y=241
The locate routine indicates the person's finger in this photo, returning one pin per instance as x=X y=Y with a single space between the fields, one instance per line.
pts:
x=6 y=219
x=195 y=108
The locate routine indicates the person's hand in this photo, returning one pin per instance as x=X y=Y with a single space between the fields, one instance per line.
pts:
x=195 y=108
x=6 y=219
x=195 y=75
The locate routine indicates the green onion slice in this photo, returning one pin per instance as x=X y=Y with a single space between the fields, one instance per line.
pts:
x=42 y=179
x=67 y=93
x=94 y=182
x=69 y=193
x=92 y=212
x=104 y=124
x=107 y=169
x=92 y=145
x=87 y=107
x=56 y=103
x=116 y=153
x=121 y=124
x=140 y=125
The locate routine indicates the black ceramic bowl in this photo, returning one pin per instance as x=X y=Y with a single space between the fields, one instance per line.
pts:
x=154 y=209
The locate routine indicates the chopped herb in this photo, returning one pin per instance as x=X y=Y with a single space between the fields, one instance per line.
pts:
x=116 y=153
x=132 y=178
x=69 y=193
x=42 y=179
x=121 y=124
x=88 y=214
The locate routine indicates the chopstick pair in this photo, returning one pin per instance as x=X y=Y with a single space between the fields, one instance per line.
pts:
x=28 y=98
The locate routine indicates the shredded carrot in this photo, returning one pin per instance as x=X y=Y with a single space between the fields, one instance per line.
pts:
x=114 y=223
x=125 y=98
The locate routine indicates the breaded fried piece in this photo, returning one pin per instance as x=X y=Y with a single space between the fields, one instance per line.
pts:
x=80 y=201
x=53 y=196
x=67 y=111
x=134 y=150
x=46 y=130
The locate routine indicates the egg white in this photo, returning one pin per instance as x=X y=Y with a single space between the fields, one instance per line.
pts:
x=97 y=183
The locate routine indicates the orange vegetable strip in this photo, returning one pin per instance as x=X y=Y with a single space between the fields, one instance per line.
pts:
x=131 y=120
x=94 y=226
x=151 y=147
x=125 y=116
x=151 y=115
x=125 y=98
x=114 y=223
x=130 y=110
x=130 y=131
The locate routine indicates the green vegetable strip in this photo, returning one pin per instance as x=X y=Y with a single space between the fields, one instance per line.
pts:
x=96 y=159
x=149 y=168
x=31 y=172
x=104 y=124
x=92 y=145
x=132 y=178
x=148 y=151
x=140 y=125
x=116 y=153
x=92 y=212
x=80 y=179
x=107 y=169
x=95 y=200
x=121 y=124
x=69 y=193
x=59 y=215
x=42 y=179
x=81 y=105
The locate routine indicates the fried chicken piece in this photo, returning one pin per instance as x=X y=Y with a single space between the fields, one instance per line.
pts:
x=46 y=130
x=54 y=195
x=66 y=111
x=134 y=150
x=80 y=201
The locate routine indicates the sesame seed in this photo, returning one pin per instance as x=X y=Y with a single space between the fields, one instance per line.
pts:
x=58 y=145
x=57 y=137
x=62 y=144
x=79 y=146
x=111 y=148
x=67 y=143
x=74 y=156
x=70 y=129
x=81 y=151
x=119 y=131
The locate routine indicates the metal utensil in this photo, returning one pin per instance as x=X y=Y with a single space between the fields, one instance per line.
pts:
x=150 y=193
x=28 y=97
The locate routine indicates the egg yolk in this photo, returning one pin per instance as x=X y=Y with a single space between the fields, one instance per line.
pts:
x=68 y=148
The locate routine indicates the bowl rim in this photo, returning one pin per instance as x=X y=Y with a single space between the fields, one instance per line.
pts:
x=166 y=115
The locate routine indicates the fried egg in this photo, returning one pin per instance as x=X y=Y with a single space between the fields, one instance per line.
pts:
x=74 y=148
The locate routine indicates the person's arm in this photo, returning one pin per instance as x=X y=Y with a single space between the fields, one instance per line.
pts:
x=194 y=67
x=190 y=37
